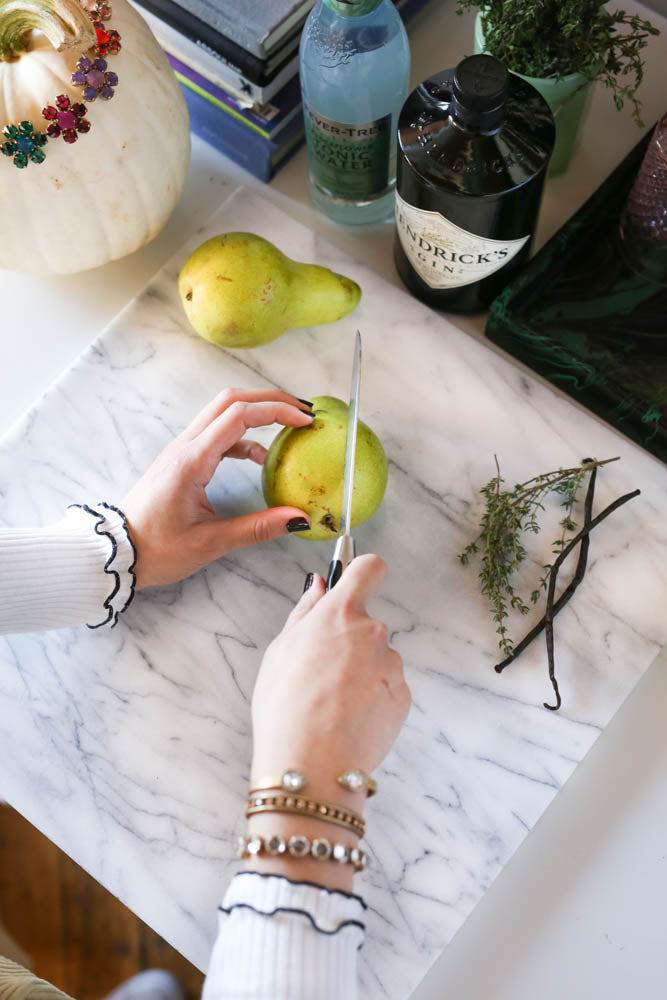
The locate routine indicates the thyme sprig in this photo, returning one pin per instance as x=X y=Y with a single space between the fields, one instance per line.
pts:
x=507 y=515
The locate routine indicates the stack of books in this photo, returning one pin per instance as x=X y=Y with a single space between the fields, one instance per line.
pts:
x=238 y=64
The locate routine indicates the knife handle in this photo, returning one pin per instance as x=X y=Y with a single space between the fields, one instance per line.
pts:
x=344 y=553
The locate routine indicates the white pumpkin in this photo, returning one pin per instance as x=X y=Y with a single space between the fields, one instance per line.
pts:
x=111 y=191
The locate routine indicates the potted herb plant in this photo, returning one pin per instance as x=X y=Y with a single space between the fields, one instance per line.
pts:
x=562 y=47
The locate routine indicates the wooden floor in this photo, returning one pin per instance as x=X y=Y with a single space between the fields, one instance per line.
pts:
x=79 y=936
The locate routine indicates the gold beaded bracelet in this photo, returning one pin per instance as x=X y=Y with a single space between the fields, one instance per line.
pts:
x=299 y=846
x=329 y=812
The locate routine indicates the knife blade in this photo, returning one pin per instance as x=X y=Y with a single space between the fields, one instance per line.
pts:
x=344 y=551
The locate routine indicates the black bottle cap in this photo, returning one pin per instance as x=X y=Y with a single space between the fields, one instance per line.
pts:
x=480 y=88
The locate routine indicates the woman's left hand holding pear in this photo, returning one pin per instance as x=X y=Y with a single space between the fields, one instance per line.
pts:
x=175 y=530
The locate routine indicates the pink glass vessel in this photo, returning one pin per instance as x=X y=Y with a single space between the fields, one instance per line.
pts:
x=643 y=222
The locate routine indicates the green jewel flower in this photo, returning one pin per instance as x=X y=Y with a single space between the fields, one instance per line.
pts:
x=23 y=144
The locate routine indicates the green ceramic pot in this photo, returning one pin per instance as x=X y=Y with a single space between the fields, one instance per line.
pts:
x=568 y=99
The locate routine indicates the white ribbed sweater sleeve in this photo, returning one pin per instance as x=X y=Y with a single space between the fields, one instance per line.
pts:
x=282 y=956
x=65 y=573
x=277 y=940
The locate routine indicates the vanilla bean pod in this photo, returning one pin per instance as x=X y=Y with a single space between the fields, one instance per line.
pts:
x=549 y=635
x=548 y=626
x=549 y=613
x=571 y=587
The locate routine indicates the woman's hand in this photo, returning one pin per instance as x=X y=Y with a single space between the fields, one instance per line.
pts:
x=330 y=697
x=174 y=527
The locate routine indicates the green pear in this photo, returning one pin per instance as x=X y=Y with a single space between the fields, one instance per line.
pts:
x=239 y=290
x=304 y=468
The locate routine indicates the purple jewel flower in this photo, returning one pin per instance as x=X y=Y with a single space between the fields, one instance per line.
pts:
x=95 y=78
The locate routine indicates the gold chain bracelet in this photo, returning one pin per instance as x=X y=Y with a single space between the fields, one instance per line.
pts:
x=267 y=801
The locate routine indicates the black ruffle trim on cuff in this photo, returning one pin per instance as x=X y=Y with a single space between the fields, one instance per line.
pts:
x=298 y=912
x=130 y=568
x=99 y=521
x=315 y=885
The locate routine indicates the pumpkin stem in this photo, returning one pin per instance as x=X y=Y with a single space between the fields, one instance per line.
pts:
x=64 y=22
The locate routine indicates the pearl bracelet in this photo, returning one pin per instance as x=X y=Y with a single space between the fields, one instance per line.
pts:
x=299 y=846
x=295 y=781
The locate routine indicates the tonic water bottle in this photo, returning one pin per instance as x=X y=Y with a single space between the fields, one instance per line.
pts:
x=354 y=64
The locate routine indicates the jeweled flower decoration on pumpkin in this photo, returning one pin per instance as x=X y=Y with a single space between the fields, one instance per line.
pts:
x=101 y=11
x=107 y=41
x=23 y=144
x=66 y=119
x=95 y=79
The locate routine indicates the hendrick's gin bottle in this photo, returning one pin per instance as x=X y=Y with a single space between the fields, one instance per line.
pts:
x=473 y=148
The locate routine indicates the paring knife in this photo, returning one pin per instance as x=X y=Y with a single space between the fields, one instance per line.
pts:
x=344 y=551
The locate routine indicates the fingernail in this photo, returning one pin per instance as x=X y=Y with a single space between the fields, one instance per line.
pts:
x=297 y=524
x=306 y=402
x=309 y=582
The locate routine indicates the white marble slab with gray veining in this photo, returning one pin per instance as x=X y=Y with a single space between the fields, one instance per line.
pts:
x=130 y=749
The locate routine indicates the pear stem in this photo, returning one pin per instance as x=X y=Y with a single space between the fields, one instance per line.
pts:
x=64 y=22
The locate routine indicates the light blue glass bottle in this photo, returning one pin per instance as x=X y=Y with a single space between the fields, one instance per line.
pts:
x=354 y=63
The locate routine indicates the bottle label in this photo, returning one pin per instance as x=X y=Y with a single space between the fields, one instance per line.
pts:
x=352 y=8
x=446 y=256
x=348 y=161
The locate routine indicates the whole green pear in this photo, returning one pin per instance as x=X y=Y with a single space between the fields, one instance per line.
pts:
x=239 y=290
x=304 y=468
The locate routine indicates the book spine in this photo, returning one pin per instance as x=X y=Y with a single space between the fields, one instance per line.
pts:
x=188 y=77
x=220 y=131
x=197 y=31
x=209 y=64
x=259 y=156
x=265 y=116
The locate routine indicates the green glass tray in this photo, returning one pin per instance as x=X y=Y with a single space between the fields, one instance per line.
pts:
x=581 y=318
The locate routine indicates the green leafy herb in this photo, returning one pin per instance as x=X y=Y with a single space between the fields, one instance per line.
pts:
x=553 y=38
x=507 y=515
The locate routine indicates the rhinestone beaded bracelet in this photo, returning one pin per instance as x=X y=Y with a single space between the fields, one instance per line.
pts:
x=299 y=846
x=67 y=119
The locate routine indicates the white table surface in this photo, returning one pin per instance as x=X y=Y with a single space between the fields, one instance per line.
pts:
x=578 y=911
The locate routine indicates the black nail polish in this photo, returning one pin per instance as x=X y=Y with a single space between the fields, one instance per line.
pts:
x=297 y=524
x=309 y=582
x=306 y=402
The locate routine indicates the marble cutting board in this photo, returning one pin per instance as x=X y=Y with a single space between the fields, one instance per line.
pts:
x=131 y=748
